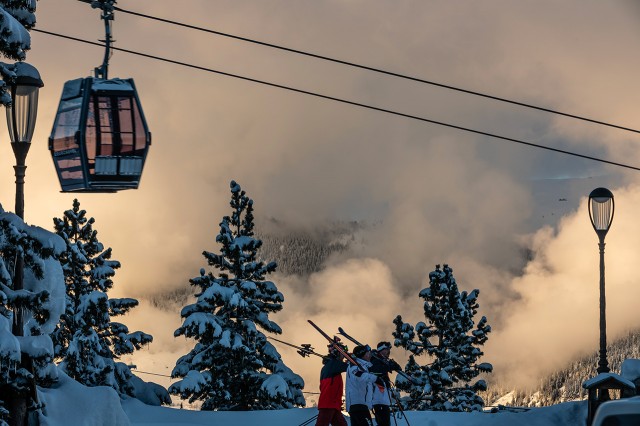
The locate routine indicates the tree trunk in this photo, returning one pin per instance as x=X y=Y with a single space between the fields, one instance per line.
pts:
x=18 y=408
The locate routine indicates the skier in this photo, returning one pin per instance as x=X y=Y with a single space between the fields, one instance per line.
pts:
x=330 y=401
x=360 y=387
x=381 y=366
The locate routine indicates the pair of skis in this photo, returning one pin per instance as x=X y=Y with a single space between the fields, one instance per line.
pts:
x=337 y=346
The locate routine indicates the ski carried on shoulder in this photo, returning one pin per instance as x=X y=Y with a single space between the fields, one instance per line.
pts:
x=352 y=339
x=336 y=345
x=344 y=334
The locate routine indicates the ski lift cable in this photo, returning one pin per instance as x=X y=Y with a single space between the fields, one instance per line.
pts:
x=346 y=101
x=154 y=374
x=378 y=70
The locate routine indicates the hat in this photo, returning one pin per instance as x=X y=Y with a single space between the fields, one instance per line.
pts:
x=360 y=350
x=383 y=345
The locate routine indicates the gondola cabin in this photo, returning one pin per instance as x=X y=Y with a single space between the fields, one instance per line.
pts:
x=100 y=138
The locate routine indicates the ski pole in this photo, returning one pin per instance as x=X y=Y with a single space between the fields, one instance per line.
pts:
x=303 y=350
x=399 y=405
x=309 y=421
x=391 y=398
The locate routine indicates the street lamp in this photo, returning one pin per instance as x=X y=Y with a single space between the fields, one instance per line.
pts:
x=601 y=209
x=21 y=120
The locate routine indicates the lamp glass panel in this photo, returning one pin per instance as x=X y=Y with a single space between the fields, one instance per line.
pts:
x=601 y=212
x=25 y=108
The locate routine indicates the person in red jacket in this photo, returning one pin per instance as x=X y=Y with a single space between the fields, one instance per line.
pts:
x=331 y=389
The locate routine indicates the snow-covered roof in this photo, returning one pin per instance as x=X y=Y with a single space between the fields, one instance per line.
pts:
x=603 y=378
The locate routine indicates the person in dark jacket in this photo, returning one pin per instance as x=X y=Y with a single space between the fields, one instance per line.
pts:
x=331 y=388
x=381 y=366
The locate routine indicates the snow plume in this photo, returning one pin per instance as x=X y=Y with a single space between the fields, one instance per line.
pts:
x=358 y=294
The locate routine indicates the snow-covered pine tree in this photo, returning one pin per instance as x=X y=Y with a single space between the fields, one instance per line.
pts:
x=41 y=302
x=87 y=342
x=452 y=342
x=233 y=366
x=16 y=18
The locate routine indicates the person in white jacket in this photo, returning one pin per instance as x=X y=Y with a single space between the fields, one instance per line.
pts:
x=360 y=387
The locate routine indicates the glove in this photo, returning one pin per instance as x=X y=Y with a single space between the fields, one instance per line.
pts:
x=380 y=382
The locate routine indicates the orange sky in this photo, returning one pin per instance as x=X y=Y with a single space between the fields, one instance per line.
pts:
x=436 y=195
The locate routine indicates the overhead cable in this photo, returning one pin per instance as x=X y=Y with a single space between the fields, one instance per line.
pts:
x=153 y=374
x=344 y=101
x=378 y=70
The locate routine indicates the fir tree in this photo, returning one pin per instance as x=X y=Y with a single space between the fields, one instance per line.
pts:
x=16 y=18
x=233 y=366
x=27 y=348
x=87 y=342
x=452 y=342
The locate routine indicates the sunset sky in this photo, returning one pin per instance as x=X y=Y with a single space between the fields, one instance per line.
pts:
x=435 y=194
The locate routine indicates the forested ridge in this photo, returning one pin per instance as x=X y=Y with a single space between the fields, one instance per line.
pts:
x=300 y=252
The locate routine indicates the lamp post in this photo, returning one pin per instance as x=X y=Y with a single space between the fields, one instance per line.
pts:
x=21 y=120
x=601 y=209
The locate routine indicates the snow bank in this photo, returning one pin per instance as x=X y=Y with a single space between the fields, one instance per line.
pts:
x=70 y=403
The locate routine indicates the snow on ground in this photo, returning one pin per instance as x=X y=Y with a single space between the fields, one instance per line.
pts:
x=565 y=414
x=70 y=403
